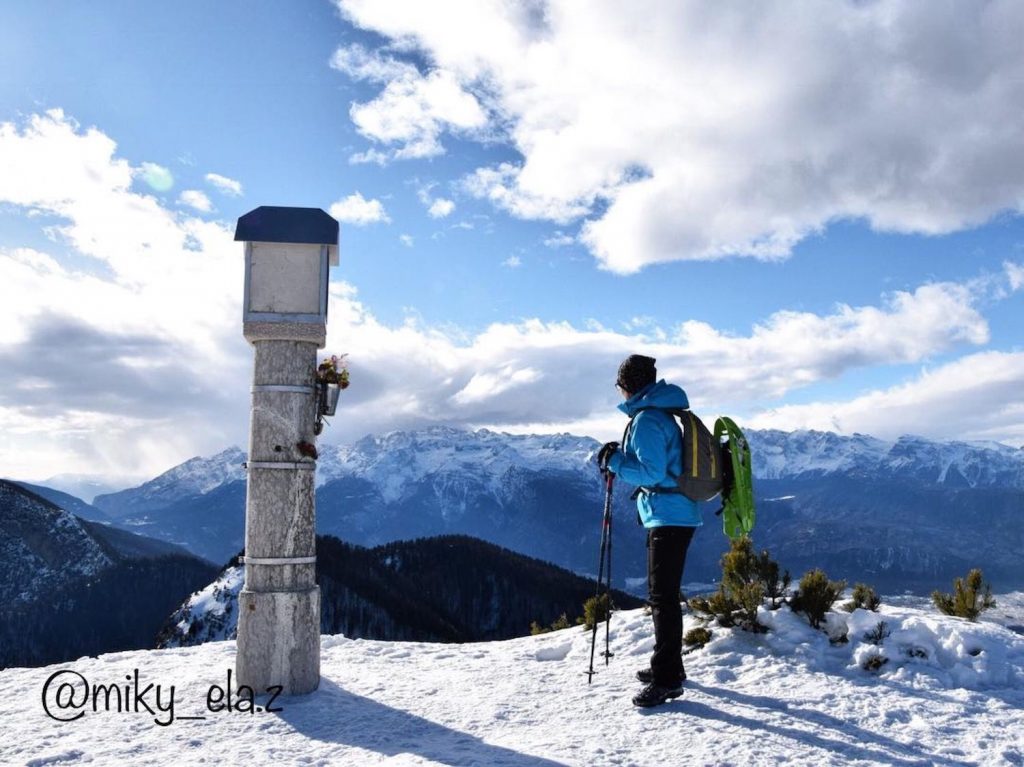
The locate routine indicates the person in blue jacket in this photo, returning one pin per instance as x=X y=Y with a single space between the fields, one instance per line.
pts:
x=650 y=457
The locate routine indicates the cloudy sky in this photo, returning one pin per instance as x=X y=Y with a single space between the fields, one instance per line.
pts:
x=808 y=212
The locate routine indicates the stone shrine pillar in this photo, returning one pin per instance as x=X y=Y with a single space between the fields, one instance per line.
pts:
x=288 y=252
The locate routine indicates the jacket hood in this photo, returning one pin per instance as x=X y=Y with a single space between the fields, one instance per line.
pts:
x=661 y=395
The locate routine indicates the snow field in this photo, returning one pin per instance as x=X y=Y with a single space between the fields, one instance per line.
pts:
x=951 y=693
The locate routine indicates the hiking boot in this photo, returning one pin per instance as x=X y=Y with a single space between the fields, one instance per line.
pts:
x=646 y=676
x=655 y=694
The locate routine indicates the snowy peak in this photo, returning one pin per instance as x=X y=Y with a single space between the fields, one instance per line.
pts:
x=780 y=455
x=197 y=476
x=398 y=460
x=41 y=546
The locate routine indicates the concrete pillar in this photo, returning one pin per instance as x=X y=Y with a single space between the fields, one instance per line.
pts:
x=288 y=253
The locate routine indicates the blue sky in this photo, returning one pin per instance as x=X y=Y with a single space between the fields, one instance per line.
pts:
x=812 y=222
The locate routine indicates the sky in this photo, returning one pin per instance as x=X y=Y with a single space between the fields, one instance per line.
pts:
x=809 y=214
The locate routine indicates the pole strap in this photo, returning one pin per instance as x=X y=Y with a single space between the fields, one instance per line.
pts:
x=278 y=560
x=307 y=465
x=283 y=388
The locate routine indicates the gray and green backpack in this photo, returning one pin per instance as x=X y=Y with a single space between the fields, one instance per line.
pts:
x=714 y=464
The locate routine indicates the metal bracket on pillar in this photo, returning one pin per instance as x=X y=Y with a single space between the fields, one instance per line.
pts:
x=284 y=388
x=278 y=560
x=303 y=465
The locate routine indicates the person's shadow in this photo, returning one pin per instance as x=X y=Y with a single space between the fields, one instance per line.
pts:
x=335 y=715
x=870 y=746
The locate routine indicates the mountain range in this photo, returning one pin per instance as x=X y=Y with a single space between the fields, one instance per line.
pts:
x=445 y=589
x=909 y=514
x=70 y=587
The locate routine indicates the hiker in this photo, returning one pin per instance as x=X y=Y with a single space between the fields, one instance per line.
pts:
x=650 y=457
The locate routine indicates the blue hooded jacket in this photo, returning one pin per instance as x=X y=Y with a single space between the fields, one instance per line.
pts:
x=652 y=456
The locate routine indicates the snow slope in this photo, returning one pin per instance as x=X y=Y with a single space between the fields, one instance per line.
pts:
x=952 y=693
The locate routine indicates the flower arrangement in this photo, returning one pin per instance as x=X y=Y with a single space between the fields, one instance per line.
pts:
x=333 y=370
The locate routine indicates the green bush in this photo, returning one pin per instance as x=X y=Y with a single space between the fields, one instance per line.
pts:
x=964 y=601
x=595 y=610
x=864 y=598
x=741 y=591
x=561 y=622
x=775 y=586
x=816 y=595
x=697 y=637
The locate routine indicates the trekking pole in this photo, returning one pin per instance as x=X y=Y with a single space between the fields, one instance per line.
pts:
x=605 y=546
x=608 y=587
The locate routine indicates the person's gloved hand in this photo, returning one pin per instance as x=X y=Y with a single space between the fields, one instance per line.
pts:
x=605 y=453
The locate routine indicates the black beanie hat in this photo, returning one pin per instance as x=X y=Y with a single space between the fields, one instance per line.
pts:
x=636 y=372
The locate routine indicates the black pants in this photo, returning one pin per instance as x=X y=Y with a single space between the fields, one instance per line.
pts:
x=666 y=557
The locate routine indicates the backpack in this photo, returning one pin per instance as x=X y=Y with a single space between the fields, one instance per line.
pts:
x=711 y=467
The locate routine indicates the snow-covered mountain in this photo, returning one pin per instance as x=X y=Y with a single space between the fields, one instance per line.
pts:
x=88 y=486
x=59 y=571
x=911 y=513
x=446 y=589
x=397 y=461
x=949 y=693
x=197 y=476
x=42 y=547
x=788 y=455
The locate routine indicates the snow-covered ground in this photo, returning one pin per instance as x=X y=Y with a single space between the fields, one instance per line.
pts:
x=951 y=693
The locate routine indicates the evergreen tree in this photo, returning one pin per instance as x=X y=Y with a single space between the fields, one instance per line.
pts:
x=816 y=595
x=964 y=601
x=864 y=598
x=746 y=579
x=595 y=610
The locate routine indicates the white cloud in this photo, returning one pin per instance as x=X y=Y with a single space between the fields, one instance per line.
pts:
x=225 y=185
x=975 y=397
x=360 y=64
x=499 y=186
x=437 y=207
x=412 y=111
x=512 y=262
x=357 y=210
x=370 y=156
x=406 y=239
x=1015 y=274
x=791 y=348
x=157 y=177
x=139 y=364
x=559 y=240
x=696 y=131
x=441 y=207
x=117 y=368
x=413 y=375
x=196 y=199
x=486 y=386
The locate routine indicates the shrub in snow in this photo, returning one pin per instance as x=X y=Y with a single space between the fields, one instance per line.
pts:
x=595 y=610
x=561 y=622
x=775 y=586
x=864 y=598
x=816 y=595
x=743 y=588
x=878 y=634
x=964 y=601
x=697 y=638
x=874 y=662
